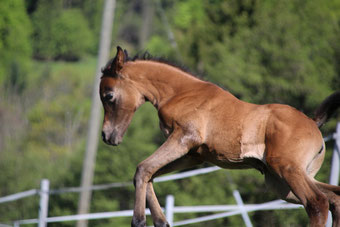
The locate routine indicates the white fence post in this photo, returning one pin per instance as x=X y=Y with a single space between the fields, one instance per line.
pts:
x=334 y=175
x=169 y=209
x=43 y=209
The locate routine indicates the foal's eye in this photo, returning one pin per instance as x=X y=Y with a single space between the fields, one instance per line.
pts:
x=108 y=97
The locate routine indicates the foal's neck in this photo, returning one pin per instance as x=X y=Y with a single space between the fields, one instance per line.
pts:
x=159 y=82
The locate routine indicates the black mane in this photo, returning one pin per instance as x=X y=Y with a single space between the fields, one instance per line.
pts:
x=106 y=70
x=146 y=56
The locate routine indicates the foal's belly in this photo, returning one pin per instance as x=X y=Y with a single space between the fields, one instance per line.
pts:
x=238 y=143
x=233 y=157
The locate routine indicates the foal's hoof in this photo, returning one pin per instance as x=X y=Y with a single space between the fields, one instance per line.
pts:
x=161 y=224
x=138 y=223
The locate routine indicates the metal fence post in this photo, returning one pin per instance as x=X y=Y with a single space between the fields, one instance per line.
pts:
x=169 y=209
x=335 y=166
x=43 y=209
x=334 y=176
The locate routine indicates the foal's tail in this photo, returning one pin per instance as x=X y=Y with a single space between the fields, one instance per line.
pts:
x=327 y=108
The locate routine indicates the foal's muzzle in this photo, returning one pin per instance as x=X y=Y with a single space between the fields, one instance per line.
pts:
x=111 y=138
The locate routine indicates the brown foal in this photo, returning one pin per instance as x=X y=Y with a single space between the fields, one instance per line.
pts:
x=204 y=123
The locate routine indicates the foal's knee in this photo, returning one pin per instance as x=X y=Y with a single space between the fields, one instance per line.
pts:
x=142 y=175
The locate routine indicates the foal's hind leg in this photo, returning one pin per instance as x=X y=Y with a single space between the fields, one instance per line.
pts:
x=158 y=217
x=314 y=201
x=332 y=192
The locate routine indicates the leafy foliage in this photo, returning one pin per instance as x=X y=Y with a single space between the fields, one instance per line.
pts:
x=60 y=34
x=15 y=47
x=265 y=60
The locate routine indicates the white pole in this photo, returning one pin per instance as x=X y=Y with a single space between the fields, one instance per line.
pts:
x=43 y=209
x=94 y=123
x=169 y=209
x=334 y=175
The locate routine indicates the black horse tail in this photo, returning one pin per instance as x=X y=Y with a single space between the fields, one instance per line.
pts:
x=327 y=109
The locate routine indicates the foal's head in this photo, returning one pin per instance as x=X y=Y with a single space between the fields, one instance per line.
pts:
x=120 y=99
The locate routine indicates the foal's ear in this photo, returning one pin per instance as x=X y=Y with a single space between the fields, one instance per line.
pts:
x=117 y=64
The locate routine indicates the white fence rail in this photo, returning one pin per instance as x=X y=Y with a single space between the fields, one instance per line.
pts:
x=170 y=208
x=19 y=195
x=227 y=211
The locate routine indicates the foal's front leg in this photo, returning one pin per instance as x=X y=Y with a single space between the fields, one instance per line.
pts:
x=174 y=148
x=156 y=210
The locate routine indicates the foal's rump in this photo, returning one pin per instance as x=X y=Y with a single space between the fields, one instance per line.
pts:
x=294 y=153
x=280 y=131
x=291 y=133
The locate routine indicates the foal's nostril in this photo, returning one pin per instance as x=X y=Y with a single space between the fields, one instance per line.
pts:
x=103 y=136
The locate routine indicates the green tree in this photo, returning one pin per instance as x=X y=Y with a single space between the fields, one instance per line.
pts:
x=60 y=33
x=284 y=59
x=43 y=18
x=72 y=36
x=15 y=47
